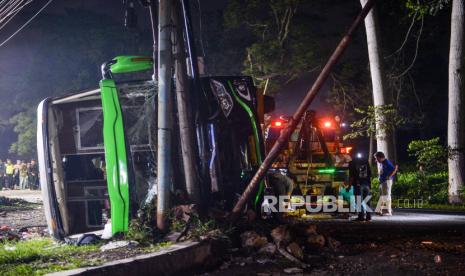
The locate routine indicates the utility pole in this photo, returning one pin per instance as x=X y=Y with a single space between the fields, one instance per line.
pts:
x=165 y=112
x=183 y=98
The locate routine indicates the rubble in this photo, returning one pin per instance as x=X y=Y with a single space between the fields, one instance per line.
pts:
x=295 y=250
x=281 y=235
x=252 y=239
x=316 y=241
x=269 y=249
x=293 y=270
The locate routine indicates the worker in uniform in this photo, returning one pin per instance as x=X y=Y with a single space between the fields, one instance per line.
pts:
x=360 y=177
x=9 y=172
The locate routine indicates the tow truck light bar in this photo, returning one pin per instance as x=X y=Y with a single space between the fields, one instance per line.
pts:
x=327 y=170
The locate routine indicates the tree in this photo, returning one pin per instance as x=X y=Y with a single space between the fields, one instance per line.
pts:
x=456 y=118
x=25 y=127
x=380 y=98
x=283 y=45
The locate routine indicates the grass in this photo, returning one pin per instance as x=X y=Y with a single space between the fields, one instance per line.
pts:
x=41 y=256
x=447 y=207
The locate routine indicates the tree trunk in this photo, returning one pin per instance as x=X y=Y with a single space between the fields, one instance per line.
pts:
x=183 y=100
x=370 y=150
x=376 y=68
x=456 y=120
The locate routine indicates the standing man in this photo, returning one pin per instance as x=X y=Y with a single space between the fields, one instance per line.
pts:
x=9 y=171
x=23 y=185
x=33 y=175
x=17 y=168
x=386 y=172
x=2 y=174
x=360 y=177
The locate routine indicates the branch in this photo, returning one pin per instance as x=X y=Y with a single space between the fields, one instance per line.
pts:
x=416 y=52
x=406 y=36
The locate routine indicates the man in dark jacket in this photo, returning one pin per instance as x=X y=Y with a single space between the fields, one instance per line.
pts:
x=33 y=175
x=360 y=177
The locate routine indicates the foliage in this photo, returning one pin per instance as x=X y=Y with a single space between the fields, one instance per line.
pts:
x=195 y=226
x=140 y=232
x=426 y=7
x=386 y=117
x=142 y=228
x=283 y=47
x=25 y=126
x=432 y=188
x=41 y=256
x=429 y=153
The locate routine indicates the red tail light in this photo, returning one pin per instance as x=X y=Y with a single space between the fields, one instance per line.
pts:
x=277 y=124
x=346 y=150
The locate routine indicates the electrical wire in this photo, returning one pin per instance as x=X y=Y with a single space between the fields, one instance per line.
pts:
x=12 y=7
x=10 y=18
x=25 y=24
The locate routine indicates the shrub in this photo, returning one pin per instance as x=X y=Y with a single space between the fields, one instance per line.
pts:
x=432 y=188
x=429 y=153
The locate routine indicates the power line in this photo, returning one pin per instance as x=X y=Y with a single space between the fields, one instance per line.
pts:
x=15 y=12
x=25 y=24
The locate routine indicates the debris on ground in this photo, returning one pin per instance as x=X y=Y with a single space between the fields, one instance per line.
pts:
x=118 y=244
x=293 y=270
x=268 y=249
x=296 y=250
x=252 y=239
x=437 y=259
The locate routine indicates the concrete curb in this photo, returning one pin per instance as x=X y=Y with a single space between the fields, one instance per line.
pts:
x=168 y=261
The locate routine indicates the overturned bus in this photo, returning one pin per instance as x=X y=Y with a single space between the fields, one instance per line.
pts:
x=97 y=148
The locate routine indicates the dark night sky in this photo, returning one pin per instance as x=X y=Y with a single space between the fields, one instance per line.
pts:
x=330 y=21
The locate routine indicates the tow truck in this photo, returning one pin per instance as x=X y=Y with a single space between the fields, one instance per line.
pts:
x=315 y=159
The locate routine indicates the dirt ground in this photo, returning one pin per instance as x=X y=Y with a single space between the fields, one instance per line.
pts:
x=19 y=209
x=365 y=249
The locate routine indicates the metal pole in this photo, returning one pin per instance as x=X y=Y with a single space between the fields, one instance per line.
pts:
x=186 y=124
x=286 y=133
x=165 y=96
x=154 y=21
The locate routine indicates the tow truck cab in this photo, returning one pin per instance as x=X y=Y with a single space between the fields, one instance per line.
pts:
x=97 y=148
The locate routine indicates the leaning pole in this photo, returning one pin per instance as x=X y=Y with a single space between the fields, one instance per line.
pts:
x=286 y=133
x=165 y=112
x=183 y=101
